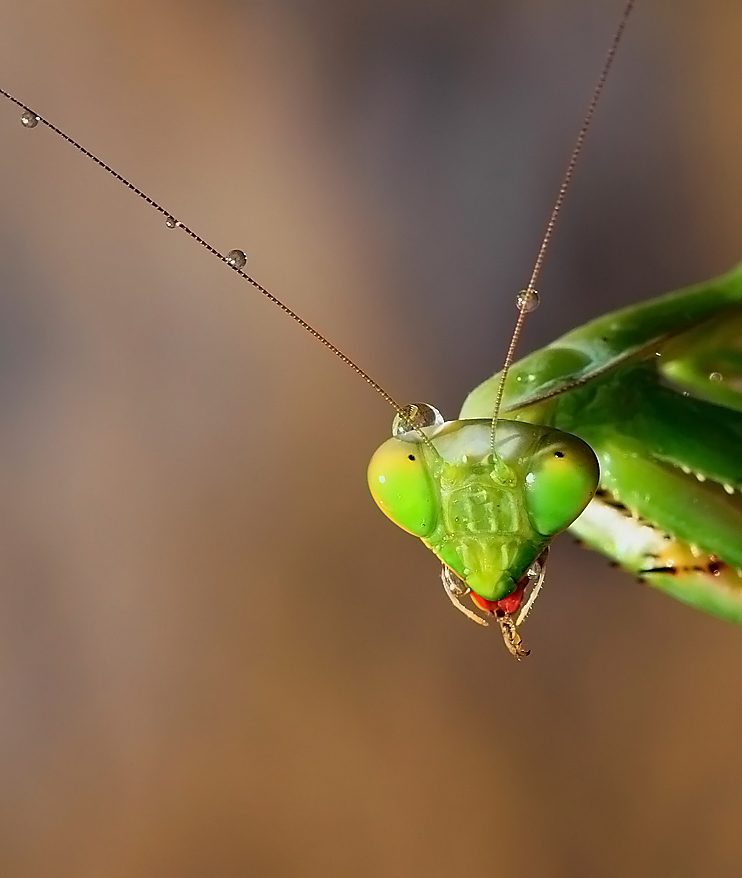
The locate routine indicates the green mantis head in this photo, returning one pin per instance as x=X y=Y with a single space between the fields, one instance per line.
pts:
x=487 y=513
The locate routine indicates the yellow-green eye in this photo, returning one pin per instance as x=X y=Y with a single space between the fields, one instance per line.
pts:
x=401 y=486
x=561 y=482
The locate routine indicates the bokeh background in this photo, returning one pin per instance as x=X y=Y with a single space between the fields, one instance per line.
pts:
x=216 y=657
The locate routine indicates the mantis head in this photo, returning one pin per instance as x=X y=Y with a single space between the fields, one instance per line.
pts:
x=488 y=509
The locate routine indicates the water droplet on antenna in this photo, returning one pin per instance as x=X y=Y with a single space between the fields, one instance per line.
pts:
x=236 y=258
x=412 y=418
x=171 y=222
x=527 y=301
x=29 y=119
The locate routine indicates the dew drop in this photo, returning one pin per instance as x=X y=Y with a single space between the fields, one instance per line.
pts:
x=412 y=418
x=527 y=301
x=29 y=119
x=715 y=376
x=171 y=222
x=236 y=258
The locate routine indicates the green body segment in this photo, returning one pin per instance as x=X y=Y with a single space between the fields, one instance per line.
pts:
x=656 y=391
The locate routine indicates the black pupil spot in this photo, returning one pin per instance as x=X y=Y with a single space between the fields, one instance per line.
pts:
x=558 y=454
x=411 y=456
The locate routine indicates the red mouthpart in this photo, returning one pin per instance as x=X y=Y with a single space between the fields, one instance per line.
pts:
x=508 y=604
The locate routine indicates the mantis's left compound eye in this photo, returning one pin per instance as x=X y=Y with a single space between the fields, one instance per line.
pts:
x=401 y=486
x=561 y=481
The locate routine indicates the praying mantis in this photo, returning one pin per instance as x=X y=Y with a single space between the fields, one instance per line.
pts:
x=699 y=571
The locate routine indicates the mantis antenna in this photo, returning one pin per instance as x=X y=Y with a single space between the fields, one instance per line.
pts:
x=528 y=298
x=235 y=259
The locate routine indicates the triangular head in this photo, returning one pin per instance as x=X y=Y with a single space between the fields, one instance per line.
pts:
x=487 y=509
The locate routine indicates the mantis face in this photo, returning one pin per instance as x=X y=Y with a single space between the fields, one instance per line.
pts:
x=488 y=511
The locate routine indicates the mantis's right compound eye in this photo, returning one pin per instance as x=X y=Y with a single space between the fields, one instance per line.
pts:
x=401 y=486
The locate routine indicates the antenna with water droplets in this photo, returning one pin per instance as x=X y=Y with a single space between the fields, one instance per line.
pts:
x=235 y=259
x=528 y=299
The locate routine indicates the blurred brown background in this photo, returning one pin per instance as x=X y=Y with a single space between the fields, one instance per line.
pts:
x=216 y=657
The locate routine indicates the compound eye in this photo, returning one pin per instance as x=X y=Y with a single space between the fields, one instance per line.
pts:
x=401 y=486
x=562 y=480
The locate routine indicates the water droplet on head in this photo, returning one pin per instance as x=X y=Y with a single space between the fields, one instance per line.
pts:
x=236 y=258
x=171 y=222
x=413 y=417
x=715 y=376
x=527 y=301
x=29 y=119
